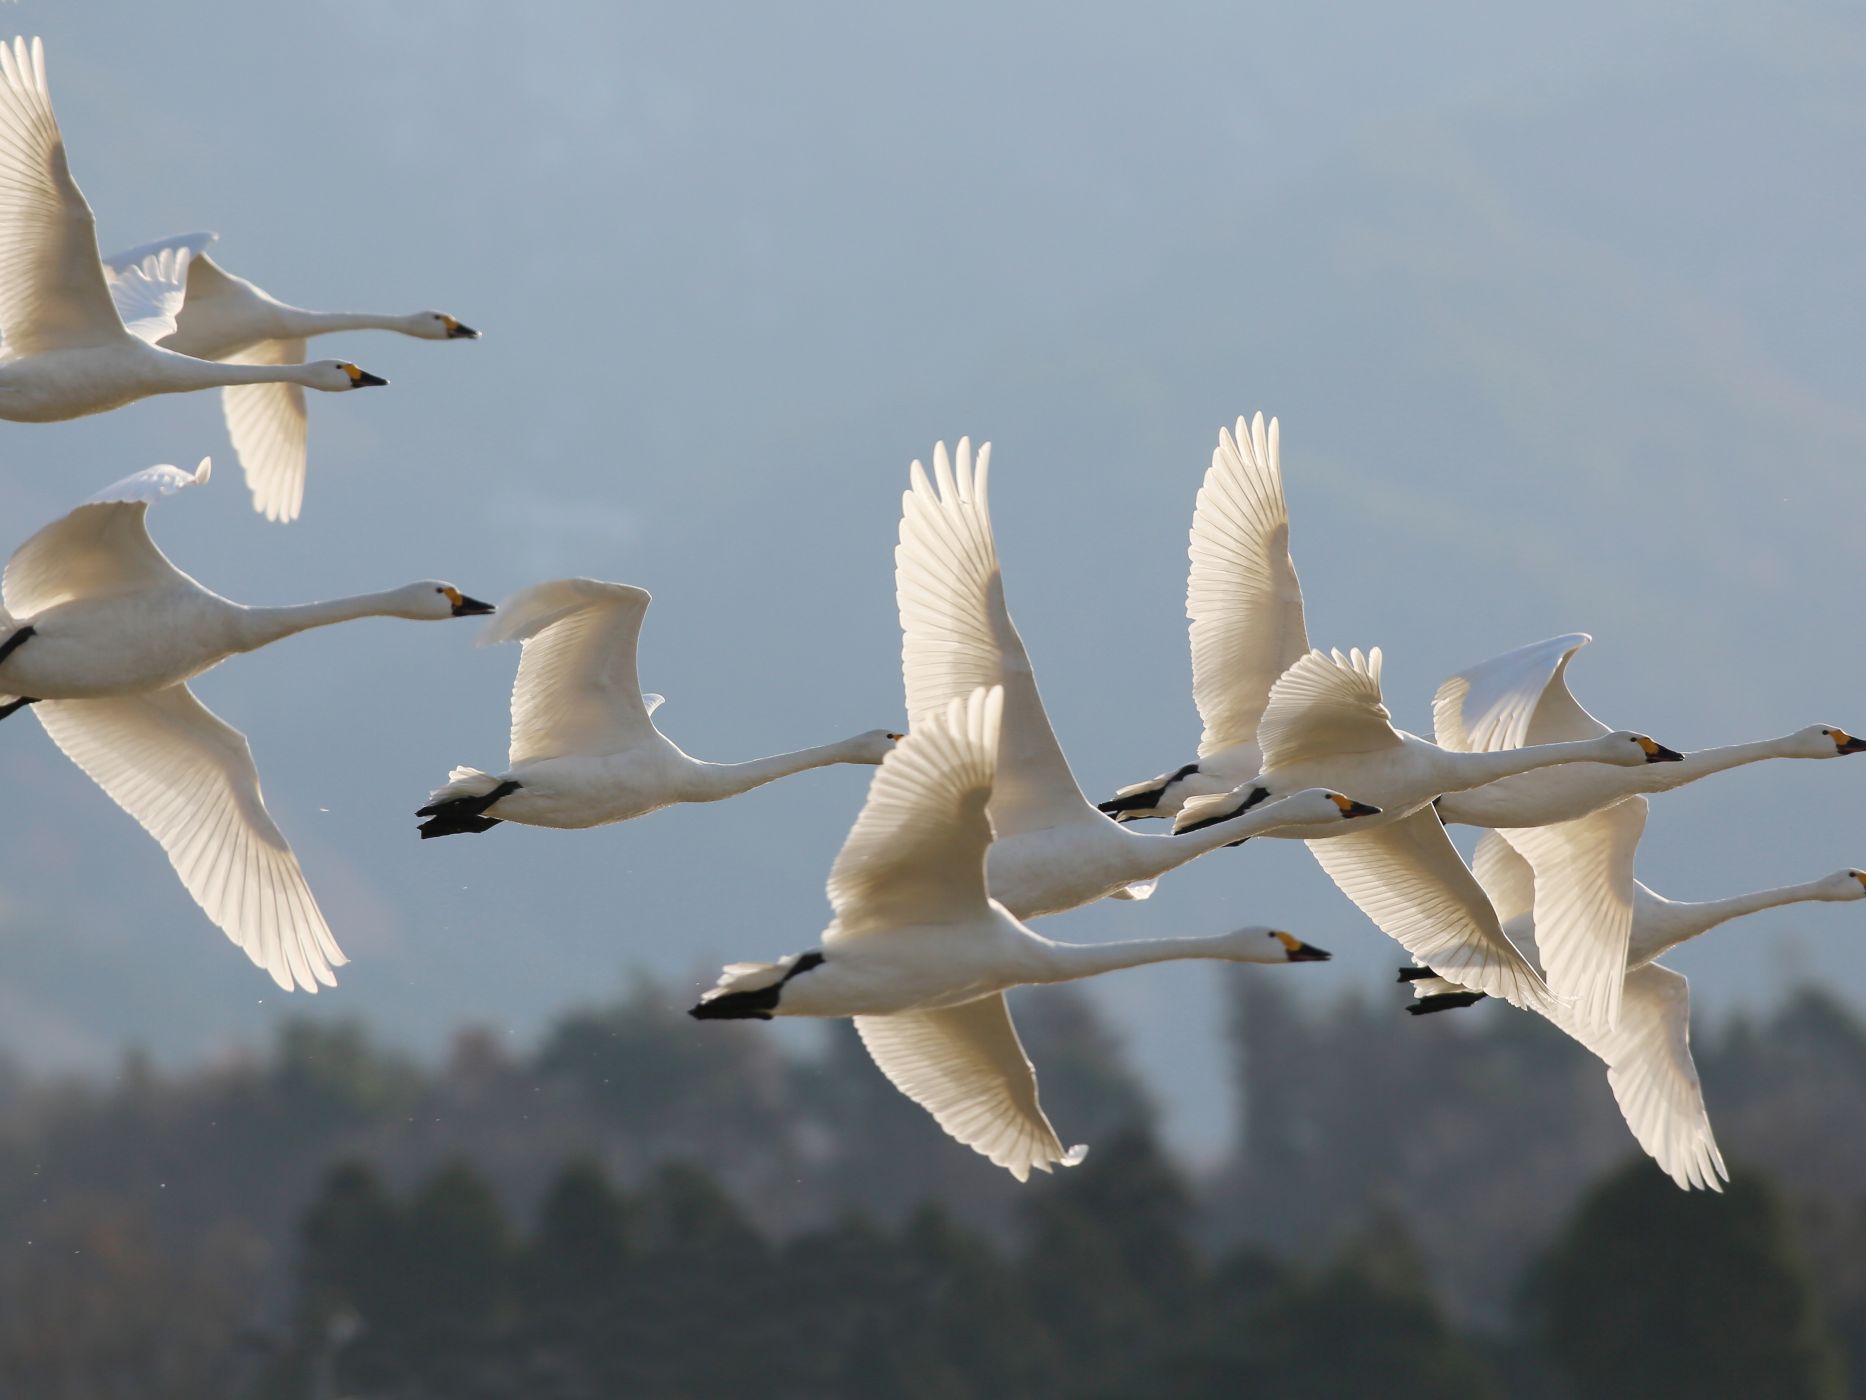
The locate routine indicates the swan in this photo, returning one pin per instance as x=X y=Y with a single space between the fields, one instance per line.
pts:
x=584 y=748
x=227 y=318
x=1648 y=1054
x=1053 y=851
x=1279 y=717
x=67 y=348
x=99 y=636
x=920 y=954
x=1584 y=905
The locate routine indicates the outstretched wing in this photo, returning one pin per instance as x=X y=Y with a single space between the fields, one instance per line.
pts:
x=100 y=549
x=1406 y=876
x=1584 y=904
x=192 y=244
x=1653 y=1077
x=916 y=854
x=966 y=1066
x=1326 y=705
x=148 y=294
x=1513 y=700
x=52 y=292
x=957 y=635
x=1506 y=878
x=268 y=426
x=1241 y=592
x=188 y=778
x=576 y=691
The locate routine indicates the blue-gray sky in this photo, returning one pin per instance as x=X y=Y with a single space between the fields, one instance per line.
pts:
x=1560 y=312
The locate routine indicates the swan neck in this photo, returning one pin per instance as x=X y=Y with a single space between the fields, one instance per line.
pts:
x=261 y=626
x=1688 y=919
x=310 y=323
x=1477 y=769
x=1069 y=962
x=1701 y=763
x=719 y=780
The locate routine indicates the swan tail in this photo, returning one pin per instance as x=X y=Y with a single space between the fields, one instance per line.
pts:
x=459 y=808
x=749 y=991
x=1138 y=801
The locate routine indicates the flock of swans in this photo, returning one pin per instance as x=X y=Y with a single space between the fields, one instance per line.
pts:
x=974 y=823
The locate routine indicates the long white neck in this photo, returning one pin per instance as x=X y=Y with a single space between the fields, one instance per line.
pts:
x=1664 y=923
x=712 y=781
x=1701 y=763
x=260 y=626
x=1153 y=855
x=1471 y=770
x=1067 y=962
x=182 y=373
x=308 y=323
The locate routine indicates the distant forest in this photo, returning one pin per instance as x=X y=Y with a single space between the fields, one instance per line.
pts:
x=1437 y=1207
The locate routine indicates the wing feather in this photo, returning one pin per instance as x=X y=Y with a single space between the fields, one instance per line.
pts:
x=576 y=690
x=966 y=1066
x=1242 y=594
x=188 y=779
x=1326 y=704
x=267 y=423
x=1513 y=700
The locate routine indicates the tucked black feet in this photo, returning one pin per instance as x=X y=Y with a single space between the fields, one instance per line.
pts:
x=1443 y=1001
x=11 y=644
x=18 y=704
x=463 y=816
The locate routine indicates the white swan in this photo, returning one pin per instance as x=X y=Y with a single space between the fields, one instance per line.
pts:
x=1584 y=903
x=227 y=318
x=1053 y=851
x=100 y=635
x=1279 y=717
x=1648 y=1054
x=67 y=349
x=584 y=748
x=921 y=955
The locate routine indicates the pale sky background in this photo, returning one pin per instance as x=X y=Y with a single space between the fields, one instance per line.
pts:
x=1560 y=311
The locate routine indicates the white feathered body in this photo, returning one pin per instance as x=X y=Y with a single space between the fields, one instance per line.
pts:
x=62 y=384
x=921 y=968
x=585 y=790
x=1399 y=781
x=1548 y=795
x=91 y=647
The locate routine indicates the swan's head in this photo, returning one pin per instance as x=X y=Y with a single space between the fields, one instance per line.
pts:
x=436 y=325
x=1313 y=805
x=1631 y=750
x=1843 y=885
x=1258 y=944
x=339 y=376
x=431 y=600
x=1823 y=741
x=874 y=745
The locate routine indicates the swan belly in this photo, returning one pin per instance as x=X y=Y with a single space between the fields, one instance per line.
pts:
x=577 y=792
x=65 y=384
x=118 y=646
x=1543 y=797
x=1035 y=873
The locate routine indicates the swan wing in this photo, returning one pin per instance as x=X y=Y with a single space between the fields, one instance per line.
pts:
x=1654 y=1080
x=1513 y=700
x=188 y=779
x=1584 y=904
x=52 y=296
x=1407 y=878
x=916 y=854
x=966 y=1066
x=1326 y=704
x=268 y=428
x=576 y=691
x=193 y=244
x=98 y=550
x=1241 y=592
x=148 y=294
x=1505 y=877
x=957 y=635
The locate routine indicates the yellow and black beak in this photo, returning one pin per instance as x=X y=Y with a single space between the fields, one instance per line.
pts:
x=1859 y=875
x=465 y=606
x=458 y=330
x=1350 y=808
x=1658 y=753
x=362 y=378
x=1299 y=951
x=1846 y=743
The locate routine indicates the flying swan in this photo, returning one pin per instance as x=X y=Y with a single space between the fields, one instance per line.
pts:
x=921 y=955
x=100 y=634
x=226 y=318
x=584 y=749
x=67 y=347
